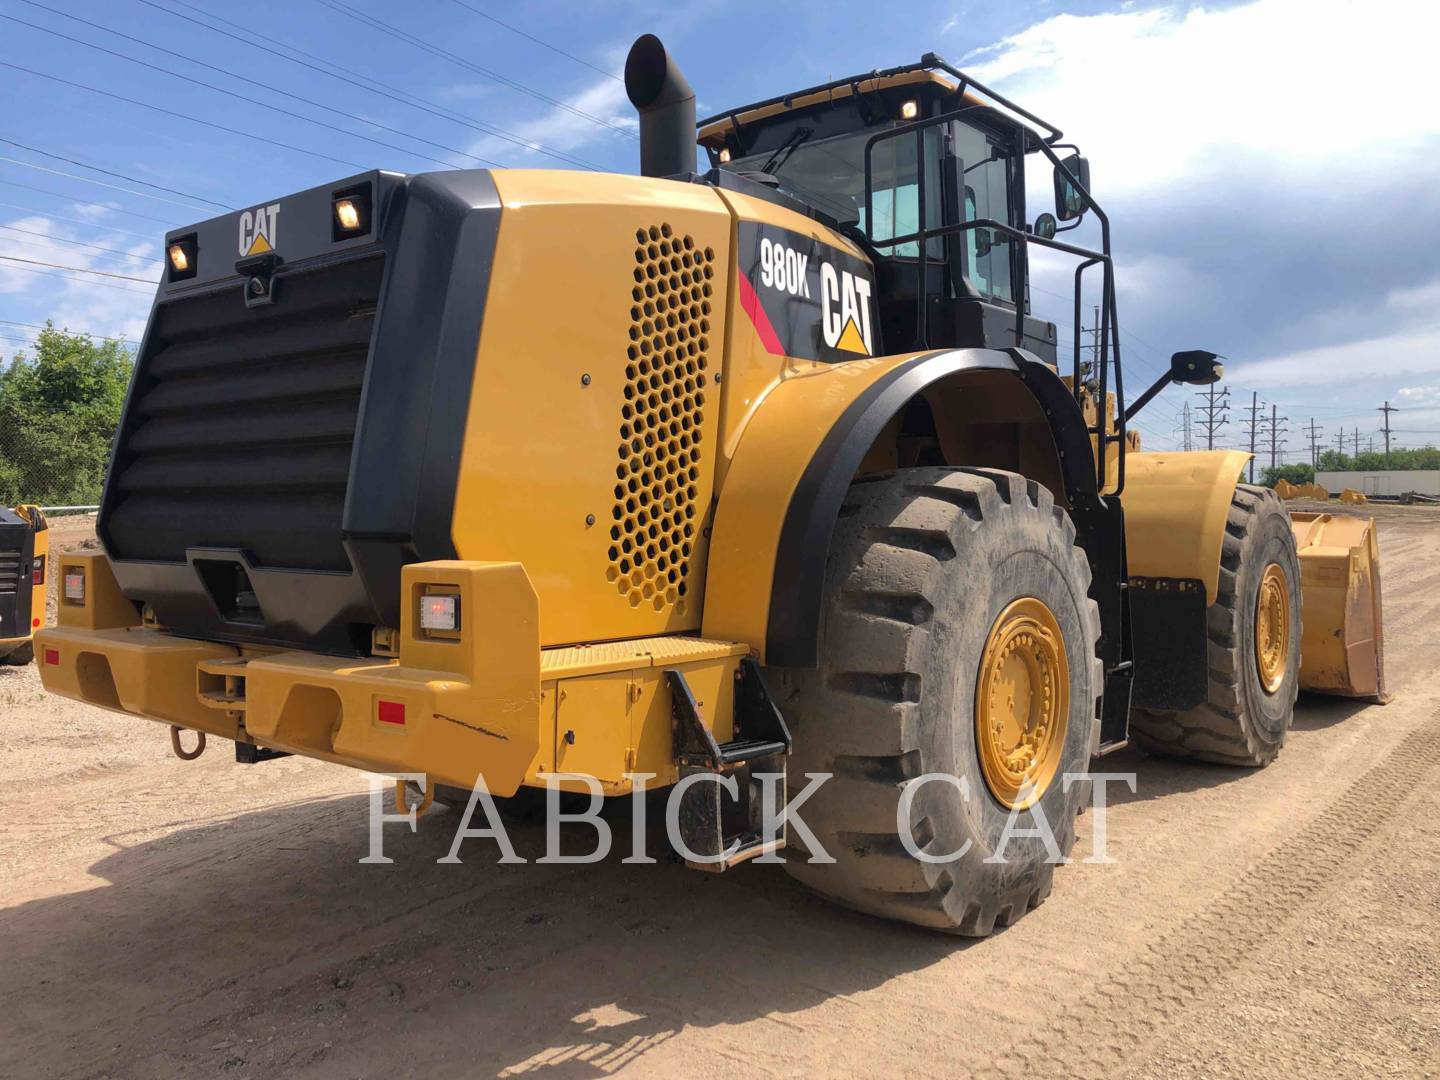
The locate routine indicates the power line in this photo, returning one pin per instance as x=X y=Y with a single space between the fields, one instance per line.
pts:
x=252 y=101
x=119 y=338
x=393 y=93
x=80 y=202
x=81 y=243
x=97 y=168
x=95 y=284
x=532 y=37
x=420 y=43
x=193 y=119
x=79 y=269
x=49 y=216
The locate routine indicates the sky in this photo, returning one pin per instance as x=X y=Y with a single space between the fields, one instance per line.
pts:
x=1269 y=167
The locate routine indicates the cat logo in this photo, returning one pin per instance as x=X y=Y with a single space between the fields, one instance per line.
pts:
x=845 y=304
x=259 y=231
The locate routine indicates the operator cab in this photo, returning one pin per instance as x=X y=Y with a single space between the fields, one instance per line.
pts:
x=814 y=147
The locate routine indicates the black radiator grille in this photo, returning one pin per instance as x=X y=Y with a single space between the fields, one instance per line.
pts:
x=10 y=572
x=239 y=432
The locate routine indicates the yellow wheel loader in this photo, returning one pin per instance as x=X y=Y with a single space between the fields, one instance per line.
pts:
x=24 y=548
x=519 y=479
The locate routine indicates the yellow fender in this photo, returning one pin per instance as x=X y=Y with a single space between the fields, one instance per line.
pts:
x=1342 y=647
x=1176 y=505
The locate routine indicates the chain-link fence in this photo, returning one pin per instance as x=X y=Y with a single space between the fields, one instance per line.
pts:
x=50 y=460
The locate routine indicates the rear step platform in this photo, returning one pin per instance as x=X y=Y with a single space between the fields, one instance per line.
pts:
x=725 y=831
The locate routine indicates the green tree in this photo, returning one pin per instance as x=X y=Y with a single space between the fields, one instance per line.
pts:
x=1422 y=457
x=1295 y=474
x=59 y=406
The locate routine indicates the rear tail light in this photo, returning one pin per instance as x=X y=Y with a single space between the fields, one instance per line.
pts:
x=75 y=586
x=37 y=571
x=440 y=611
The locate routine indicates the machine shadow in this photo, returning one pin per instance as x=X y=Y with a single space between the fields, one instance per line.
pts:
x=217 y=945
x=1159 y=777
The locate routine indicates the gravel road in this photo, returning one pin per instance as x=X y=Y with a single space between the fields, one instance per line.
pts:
x=161 y=918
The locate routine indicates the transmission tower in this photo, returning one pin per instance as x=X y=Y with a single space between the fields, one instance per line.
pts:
x=1387 y=409
x=1254 y=411
x=1274 y=427
x=1315 y=434
x=1215 y=410
x=1185 y=422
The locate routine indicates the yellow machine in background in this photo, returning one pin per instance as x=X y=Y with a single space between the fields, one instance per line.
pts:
x=523 y=478
x=24 y=547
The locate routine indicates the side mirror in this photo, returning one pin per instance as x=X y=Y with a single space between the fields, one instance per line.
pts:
x=1196 y=367
x=983 y=243
x=1045 y=227
x=1069 y=202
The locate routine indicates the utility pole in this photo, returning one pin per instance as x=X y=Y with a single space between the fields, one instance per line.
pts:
x=1357 y=447
x=1216 y=408
x=1088 y=369
x=1387 y=409
x=1254 y=411
x=1314 y=444
x=1275 y=431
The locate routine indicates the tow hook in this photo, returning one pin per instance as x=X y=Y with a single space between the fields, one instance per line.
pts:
x=405 y=788
x=180 y=751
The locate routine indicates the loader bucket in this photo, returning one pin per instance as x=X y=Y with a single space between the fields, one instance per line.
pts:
x=1342 y=639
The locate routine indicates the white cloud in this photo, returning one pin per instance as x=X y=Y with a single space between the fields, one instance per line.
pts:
x=562 y=129
x=1412 y=346
x=950 y=23
x=1164 y=95
x=78 y=301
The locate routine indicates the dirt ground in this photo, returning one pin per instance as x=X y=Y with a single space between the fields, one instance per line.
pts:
x=161 y=918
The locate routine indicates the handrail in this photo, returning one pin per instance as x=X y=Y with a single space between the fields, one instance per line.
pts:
x=929 y=62
x=1108 y=331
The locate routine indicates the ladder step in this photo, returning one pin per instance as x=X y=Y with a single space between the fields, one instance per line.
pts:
x=733 y=753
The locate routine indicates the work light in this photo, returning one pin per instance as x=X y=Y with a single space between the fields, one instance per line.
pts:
x=350 y=213
x=909 y=110
x=180 y=254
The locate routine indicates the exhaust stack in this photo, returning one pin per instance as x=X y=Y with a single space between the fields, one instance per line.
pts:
x=666 y=105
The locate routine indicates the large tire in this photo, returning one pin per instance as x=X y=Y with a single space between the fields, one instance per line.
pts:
x=21 y=656
x=922 y=563
x=1241 y=722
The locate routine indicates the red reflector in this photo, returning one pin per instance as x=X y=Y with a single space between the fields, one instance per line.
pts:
x=392 y=712
x=52 y=656
x=34 y=622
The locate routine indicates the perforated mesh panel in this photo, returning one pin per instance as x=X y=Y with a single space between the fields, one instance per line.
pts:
x=656 y=494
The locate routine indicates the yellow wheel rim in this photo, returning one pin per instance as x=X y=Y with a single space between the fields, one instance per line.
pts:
x=1022 y=703
x=1272 y=628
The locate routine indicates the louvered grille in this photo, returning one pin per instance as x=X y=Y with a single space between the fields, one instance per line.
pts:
x=239 y=432
x=10 y=567
x=656 y=513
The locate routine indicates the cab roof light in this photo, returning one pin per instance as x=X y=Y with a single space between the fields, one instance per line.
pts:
x=909 y=110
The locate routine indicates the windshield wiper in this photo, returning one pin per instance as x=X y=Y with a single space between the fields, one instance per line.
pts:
x=788 y=147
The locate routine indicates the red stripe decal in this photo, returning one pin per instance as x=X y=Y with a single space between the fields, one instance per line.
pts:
x=750 y=302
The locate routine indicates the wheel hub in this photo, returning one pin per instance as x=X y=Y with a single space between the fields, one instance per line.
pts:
x=1022 y=703
x=1272 y=628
